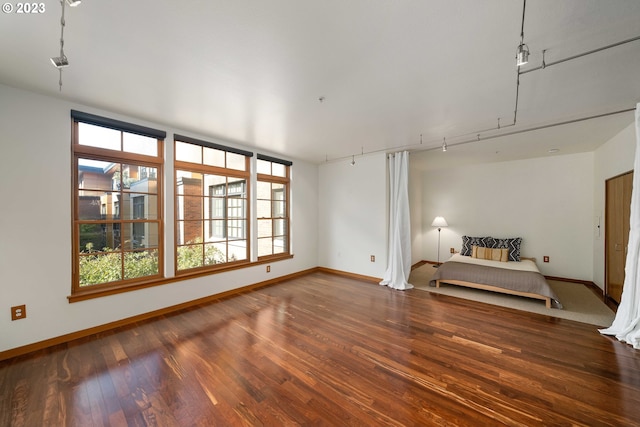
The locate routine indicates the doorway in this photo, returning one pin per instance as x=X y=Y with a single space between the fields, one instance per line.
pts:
x=617 y=216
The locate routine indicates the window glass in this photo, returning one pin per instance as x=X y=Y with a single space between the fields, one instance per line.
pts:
x=213 y=157
x=95 y=205
x=188 y=152
x=100 y=268
x=190 y=256
x=236 y=161
x=98 y=136
x=265 y=228
x=133 y=143
x=140 y=263
x=265 y=247
x=94 y=175
x=278 y=169
x=263 y=167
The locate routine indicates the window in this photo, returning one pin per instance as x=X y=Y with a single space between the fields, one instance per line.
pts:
x=118 y=234
x=212 y=214
x=273 y=206
x=228 y=213
x=117 y=215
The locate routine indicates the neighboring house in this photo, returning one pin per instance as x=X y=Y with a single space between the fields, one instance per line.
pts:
x=129 y=199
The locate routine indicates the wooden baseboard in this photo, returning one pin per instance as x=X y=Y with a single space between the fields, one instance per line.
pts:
x=29 y=348
x=350 y=275
x=419 y=264
x=566 y=279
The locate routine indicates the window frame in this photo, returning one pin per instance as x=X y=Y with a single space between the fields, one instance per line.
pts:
x=118 y=157
x=286 y=182
x=106 y=209
x=205 y=169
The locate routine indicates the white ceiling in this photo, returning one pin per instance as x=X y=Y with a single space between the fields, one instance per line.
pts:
x=252 y=71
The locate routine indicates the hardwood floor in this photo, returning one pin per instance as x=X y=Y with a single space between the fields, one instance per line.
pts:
x=327 y=350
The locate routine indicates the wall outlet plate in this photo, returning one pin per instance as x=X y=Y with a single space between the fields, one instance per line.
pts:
x=18 y=312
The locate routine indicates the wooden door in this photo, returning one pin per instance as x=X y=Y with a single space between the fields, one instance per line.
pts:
x=617 y=215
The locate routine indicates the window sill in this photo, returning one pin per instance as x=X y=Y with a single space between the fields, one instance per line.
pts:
x=99 y=293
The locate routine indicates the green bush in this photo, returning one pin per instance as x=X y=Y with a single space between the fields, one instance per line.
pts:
x=106 y=266
x=191 y=256
x=140 y=264
x=100 y=268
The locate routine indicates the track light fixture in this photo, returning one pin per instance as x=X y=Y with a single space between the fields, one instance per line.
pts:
x=60 y=61
x=522 y=54
x=444 y=145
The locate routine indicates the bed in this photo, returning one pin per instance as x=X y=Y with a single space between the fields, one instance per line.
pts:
x=520 y=278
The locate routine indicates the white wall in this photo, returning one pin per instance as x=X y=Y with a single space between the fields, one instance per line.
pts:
x=35 y=228
x=611 y=159
x=353 y=212
x=546 y=201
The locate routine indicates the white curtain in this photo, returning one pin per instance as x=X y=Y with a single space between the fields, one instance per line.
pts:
x=399 y=250
x=626 y=324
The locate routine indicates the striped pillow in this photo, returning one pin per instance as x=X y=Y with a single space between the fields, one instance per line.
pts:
x=513 y=244
x=494 y=254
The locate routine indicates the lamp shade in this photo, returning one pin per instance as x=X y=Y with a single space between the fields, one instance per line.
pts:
x=439 y=222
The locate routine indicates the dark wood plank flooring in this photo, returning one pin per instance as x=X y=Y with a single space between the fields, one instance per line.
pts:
x=327 y=350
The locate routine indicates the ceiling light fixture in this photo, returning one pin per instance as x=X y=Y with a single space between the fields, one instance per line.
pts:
x=522 y=54
x=353 y=160
x=444 y=144
x=62 y=61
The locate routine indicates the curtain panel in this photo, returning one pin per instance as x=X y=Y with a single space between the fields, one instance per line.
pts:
x=399 y=240
x=626 y=324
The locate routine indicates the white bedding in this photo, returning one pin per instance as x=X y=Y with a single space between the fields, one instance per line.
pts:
x=523 y=265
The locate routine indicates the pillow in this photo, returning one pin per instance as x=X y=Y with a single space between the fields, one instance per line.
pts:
x=494 y=254
x=513 y=244
x=468 y=242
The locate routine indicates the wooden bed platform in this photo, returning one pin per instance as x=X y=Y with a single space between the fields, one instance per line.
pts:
x=547 y=300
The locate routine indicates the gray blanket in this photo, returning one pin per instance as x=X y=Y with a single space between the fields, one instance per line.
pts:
x=522 y=281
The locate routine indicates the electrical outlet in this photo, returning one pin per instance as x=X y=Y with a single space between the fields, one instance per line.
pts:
x=545 y=258
x=18 y=312
x=268 y=269
x=373 y=258
x=452 y=250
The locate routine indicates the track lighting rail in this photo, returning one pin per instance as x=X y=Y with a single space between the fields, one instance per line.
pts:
x=531 y=129
x=519 y=72
x=580 y=55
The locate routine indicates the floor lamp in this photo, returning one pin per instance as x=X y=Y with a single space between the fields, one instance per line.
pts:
x=439 y=222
